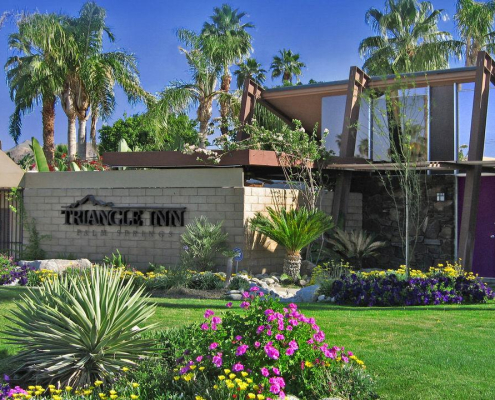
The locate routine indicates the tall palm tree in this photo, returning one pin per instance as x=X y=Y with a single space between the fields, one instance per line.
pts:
x=407 y=39
x=251 y=69
x=227 y=41
x=36 y=75
x=474 y=22
x=287 y=65
x=293 y=229
x=201 y=91
x=92 y=75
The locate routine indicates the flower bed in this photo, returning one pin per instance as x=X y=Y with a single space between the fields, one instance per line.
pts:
x=440 y=285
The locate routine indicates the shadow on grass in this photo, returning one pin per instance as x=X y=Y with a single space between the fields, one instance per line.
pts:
x=191 y=306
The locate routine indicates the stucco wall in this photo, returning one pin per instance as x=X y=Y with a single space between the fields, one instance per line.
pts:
x=218 y=194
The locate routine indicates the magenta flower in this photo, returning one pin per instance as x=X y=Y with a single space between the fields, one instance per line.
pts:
x=260 y=329
x=254 y=289
x=204 y=326
x=209 y=313
x=216 y=320
x=241 y=350
x=279 y=336
x=245 y=295
x=271 y=351
x=237 y=367
x=290 y=351
x=265 y=372
x=257 y=344
x=228 y=305
x=245 y=304
x=213 y=346
x=276 y=371
x=217 y=360
x=238 y=338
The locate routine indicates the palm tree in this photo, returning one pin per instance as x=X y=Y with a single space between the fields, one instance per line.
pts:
x=250 y=69
x=36 y=76
x=474 y=21
x=227 y=41
x=201 y=91
x=294 y=229
x=92 y=75
x=287 y=65
x=407 y=39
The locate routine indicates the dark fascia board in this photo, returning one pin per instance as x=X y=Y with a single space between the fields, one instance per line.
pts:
x=372 y=79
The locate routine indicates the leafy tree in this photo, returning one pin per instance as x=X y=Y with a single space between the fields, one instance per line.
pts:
x=407 y=39
x=287 y=65
x=293 y=229
x=35 y=76
x=474 y=22
x=227 y=41
x=251 y=69
x=137 y=133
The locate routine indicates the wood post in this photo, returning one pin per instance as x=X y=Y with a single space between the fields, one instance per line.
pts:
x=485 y=72
x=252 y=92
x=358 y=80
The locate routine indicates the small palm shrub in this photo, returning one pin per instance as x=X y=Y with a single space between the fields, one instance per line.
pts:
x=202 y=242
x=355 y=246
x=76 y=330
x=294 y=230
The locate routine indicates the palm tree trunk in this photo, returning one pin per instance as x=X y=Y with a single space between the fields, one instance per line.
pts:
x=224 y=106
x=92 y=135
x=204 y=115
x=292 y=265
x=48 y=116
x=81 y=140
x=287 y=77
x=71 y=136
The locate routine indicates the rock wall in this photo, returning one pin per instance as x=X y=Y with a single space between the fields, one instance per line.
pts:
x=436 y=238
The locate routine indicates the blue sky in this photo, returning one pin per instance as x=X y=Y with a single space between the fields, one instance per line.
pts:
x=326 y=33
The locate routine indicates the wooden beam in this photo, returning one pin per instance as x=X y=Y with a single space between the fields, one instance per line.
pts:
x=358 y=80
x=252 y=92
x=484 y=73
x=277 y=112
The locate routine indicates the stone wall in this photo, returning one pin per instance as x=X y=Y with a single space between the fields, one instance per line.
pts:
x=46 y=195
x=437 y=237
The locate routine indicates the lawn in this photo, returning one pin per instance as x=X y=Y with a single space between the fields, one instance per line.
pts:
x=433 y=352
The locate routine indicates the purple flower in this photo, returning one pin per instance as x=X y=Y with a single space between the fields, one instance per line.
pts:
x=271 y=351
x=254 y=289
x=199 y=358
x=204 y=326
x=257 y=344
x=238 y=367
x=265 y=372
x=228 y=305
x=209 y=313
x=279 y=336
x=276 y=371
x=213 y=346
x=238 y=338
x=245 y=304
x=241 y=350
x=216 y=320
x=217 y=360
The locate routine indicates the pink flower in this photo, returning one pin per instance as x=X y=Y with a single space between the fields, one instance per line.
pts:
x=276 y=371
x=293 y=345
x=271 y=351
x=260 y=329
x=216 y=320
x=265 y=372
x=261 y=294
x=238 y=338
x=213 y=346
x=257 y=344
x=279 y=336
x=213 y=327
x=217 y=360
x=289 y=351
x=209 y=313
x=245 y=295
x=241 y=350
x=204 y=326
x=254 y=289
x=199 y=358
x=245 y=304
x=228 y=305
x=237 y=367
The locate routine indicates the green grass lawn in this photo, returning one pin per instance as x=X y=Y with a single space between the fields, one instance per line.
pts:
x=434 y=352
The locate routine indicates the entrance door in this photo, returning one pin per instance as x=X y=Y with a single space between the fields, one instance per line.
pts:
x=484 y=243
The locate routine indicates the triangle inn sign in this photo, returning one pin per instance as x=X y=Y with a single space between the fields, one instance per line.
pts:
x=113 y=215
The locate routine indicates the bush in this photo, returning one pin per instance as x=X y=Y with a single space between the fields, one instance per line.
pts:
x=203 y=241
x=78 y=329
x=206 y=281
x=329 y=271
x=442 y=285
x=239 y=283
x=269 y=351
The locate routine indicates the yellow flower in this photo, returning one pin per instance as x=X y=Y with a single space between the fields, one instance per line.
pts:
x=201 y=368
x=251 y=396
x=31 y=387
x=125 y=369
x=87 y=392
x=113 y=396
x=244 y=373
x=176 y=378
x=38 y=392
x=57 y=397
x=192 y=367
x=227 y=371
x=98 y=383
x=308 y=364
x=221 y=377
x=102 y=395
x=135 y=384
x=215 y=387
x=113 y=392
x=134 y=396
x=232 y=376
x=68 y=388
x=260 y=397
x=199 y=398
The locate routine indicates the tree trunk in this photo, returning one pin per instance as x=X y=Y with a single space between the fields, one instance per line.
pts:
x=287 y=77
x=71 y=137
x=48 y=116
x=81 y=140
x=204 y=115
x=94 y=120
x=224 y=105
x=292 y=265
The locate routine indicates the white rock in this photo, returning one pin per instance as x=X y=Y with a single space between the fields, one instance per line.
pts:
x=57 y=265
x=321 y=297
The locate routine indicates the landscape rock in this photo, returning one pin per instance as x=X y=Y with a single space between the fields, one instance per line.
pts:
x=235 y=297
x=57 y=265
x=321 y=297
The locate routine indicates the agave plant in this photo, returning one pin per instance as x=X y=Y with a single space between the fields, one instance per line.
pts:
x=75 y=330
x=294 y=230
x=355 y=245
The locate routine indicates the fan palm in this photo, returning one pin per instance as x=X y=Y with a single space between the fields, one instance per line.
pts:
x=355 y=246
x=227 y=41
x=293 y=229
x=250 y=69
x=287 y=65
x=36 y=75
x=407 y=39
x=201 y=92
x=474 y=21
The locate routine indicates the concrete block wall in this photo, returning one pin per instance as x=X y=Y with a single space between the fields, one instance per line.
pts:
x=221 y=198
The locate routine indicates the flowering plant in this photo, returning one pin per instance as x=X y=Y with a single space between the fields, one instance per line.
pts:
x=265 y=353
x=11 y=273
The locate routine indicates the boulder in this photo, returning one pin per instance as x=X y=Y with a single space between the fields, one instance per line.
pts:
x=234 y=296
x=305 y=295
x=57 y=265
x=307 y=267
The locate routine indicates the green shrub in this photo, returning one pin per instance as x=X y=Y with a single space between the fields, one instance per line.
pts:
x=116 y=260
x=205 y=281
x=203 y=241
x=238 y=283
x=329 y=271
x=78 y=329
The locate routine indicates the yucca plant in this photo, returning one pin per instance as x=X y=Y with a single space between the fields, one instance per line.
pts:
x=294 y=230
x=75 y=330
x=355 y=245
